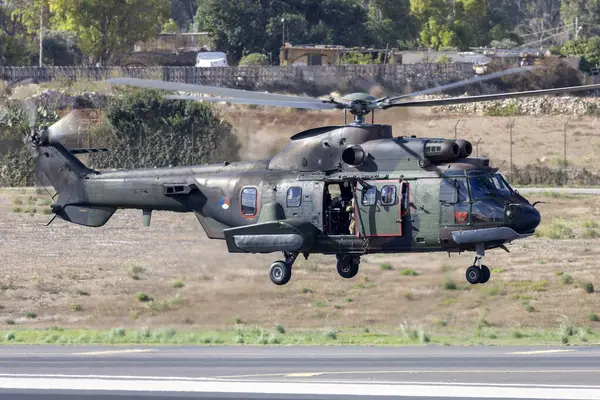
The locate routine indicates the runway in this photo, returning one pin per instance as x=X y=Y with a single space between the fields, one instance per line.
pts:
x=295 y=372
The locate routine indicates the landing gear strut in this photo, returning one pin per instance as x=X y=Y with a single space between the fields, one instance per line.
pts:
x=478 y=273
x=347 y=265
x=281 y=271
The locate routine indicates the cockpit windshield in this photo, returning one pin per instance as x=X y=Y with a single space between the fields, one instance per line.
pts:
x=487 y=186
x=478 y=198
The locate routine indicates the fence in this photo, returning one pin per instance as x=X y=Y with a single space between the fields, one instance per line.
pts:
x=415 y=75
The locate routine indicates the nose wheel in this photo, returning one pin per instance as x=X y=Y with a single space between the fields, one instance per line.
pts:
x=478 y=273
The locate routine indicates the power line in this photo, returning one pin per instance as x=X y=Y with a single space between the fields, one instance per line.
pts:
x=548 y=30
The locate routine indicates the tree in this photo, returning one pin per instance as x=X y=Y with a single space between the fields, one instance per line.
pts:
x=105 y=27
x=588 y=50
x=240 y=27
x=586 y=11
x=390 y=22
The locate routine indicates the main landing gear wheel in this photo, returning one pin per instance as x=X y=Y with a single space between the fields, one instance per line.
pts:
x=474 y=275
x=485 y=274
x=280 y=272
x=347 y=265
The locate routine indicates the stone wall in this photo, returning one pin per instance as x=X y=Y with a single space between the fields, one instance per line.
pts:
x=541 y=105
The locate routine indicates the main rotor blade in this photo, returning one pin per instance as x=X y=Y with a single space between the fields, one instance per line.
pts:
x=213 y=90
x=276 y=103
x=489 y=97
x=466 y=82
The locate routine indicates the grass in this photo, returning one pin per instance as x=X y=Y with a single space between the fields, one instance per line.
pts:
x=557 y=229
x=406 y=334
x=409 y=272
x=307 y=290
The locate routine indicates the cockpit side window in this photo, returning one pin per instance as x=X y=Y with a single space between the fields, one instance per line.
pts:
x=454 y=195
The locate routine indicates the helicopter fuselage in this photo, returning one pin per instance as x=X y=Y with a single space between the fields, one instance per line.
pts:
x=393 y=195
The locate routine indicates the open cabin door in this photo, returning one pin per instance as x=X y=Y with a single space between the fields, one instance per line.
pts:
x=378 y=208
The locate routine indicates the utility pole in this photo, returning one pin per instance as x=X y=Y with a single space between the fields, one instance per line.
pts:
x=283 y=32
x=576 y=27
x=41 y=30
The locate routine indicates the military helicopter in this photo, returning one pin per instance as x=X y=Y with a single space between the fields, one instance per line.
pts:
x=396 y=194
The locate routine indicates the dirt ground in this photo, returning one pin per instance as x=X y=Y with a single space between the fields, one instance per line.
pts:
x=264 y=131
x=73 y=276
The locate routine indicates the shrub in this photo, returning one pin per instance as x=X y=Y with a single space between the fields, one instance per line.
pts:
x=449 y=284
x=138 y=122
x=593 y=317
x=331 y=334
x=566 y=279
x=279 y=328
x=178 y=284
x=77 y=307
x=30 y=315
x=409 y=272
x=386 y=267
x=588 y=287
x=142 y=297
x=254 y=59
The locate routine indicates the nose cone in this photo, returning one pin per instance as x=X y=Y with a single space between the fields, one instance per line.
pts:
x=525 y=218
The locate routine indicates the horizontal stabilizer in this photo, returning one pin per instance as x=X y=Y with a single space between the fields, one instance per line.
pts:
x=87 y=151
x=86 y=216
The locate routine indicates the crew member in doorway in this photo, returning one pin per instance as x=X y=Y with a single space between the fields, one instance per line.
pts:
x=350 y=211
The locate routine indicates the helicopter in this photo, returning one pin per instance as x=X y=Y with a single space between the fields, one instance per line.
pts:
x=396 y=194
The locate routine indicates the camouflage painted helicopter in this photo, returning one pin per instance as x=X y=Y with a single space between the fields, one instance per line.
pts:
x=401 y=194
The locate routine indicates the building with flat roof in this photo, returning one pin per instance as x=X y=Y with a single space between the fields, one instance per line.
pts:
x=325 y=54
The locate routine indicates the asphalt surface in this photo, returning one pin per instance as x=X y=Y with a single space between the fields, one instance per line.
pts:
x=294 y=372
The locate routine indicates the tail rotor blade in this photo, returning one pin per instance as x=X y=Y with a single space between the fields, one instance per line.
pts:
x=31 y=110
x=67 y=126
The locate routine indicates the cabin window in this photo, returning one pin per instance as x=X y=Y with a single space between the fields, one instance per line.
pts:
x=369 y=196
x=405 y=198
x=294 y=197
x=388 y=195
x=249 y=201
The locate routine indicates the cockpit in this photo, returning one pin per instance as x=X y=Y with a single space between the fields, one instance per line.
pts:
x=484 y=197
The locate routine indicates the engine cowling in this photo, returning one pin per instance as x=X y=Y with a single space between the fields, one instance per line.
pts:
x=441 y=150
x=353 y=155
x=465 y=147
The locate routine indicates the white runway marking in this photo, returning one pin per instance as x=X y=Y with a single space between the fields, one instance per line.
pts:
x=340 y=389
x=543 y=351
x=110 y=352
x=303 y=374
